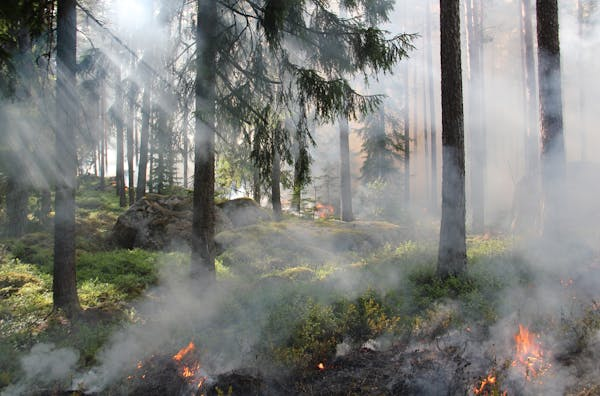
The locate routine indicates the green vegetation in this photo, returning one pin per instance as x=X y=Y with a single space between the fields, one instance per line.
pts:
x=306 y=288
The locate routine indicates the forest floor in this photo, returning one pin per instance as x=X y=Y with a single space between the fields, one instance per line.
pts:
x=301 y=307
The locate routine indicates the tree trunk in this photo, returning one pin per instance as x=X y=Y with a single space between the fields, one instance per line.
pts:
x=103 y=128
x=552 y=139
x=256 y=195
x=432 y=115
x=345 y=180
x=406 y=130
x=120 y=173
x=275 y=184
x=45 y=205
x=452 y=255
x=130 y=144
x=582 y=80
x=476 y=114
x=64 y=286
x=530 y=89
x=144 y=137
x=186 y=148
x=203 y=222
x=17 y=198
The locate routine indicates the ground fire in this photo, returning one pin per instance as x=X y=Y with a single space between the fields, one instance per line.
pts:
x=189 y=366
x=488 y=386
x=529 y=354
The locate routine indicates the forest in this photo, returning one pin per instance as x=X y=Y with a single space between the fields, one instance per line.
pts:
x=299 y=197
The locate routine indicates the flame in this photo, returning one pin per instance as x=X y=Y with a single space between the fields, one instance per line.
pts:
x=324 y=211
x=489 y=386
x=491 y=380
x=189 y=367
x=321 y=366
x=530 y=356
x=184 y=351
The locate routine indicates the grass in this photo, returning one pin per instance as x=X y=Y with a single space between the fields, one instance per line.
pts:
x=304 y=287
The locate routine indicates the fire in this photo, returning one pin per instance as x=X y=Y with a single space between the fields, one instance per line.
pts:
x=530 y=356
x=189 y=367
x=321 y=366
x=184 y=351
x=484 y=385
x=324 y=211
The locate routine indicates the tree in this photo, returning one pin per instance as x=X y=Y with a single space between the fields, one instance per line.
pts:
x=383 y=146
x=476 y=121
x=432 y=113
x=118 y=120
x=345 y=180
x=328 y=45
x=529 y=88
x=553 y=161
x=452 y=254
x=203 y=221
x=64 y=286
x=144 y=137
x=131 y=99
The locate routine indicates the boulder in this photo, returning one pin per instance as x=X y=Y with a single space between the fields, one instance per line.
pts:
x=159 y=222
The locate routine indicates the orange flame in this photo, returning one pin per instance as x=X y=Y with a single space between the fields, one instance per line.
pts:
x=324 y=211
x=184 y=351
x=321 y=366
x=530 y=356
x=190 y=369
x=491 y=379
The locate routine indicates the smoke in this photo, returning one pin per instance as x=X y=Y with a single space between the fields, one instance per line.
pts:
x=43 y=366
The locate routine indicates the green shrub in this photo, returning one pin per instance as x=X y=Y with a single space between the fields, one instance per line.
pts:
x=130 y=271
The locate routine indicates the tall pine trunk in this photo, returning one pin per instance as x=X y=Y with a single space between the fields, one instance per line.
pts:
x=432 y=113
x=406 y=136
x=144 y=137
x=17 y=196
x=345 y=180
x=552 y=139
x=476 y=114
x=120 y=173
x=276 y=183
x=130 y=149
x=452 y=255
x=582 y=80
x=64 y=285
x=186 y=147
x=203 y=221
x=256 y=184
x=530 y=89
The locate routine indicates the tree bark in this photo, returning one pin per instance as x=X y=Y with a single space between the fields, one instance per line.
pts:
x=203 y=222
x=552 y=139
x=120 y=173
x=256 y=193
x=452 y=255
x=130 y=149
x=186 y=148
x=432 y=113
x=530 y=89
x=406 y=130
x=476 y=114
x=16 y=204
x=276 y=183
x=144 y=137
x=345 y=179
x=64 y=285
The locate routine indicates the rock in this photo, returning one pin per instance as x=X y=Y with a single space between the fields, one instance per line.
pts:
x=158 y=222
x=243 y=212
